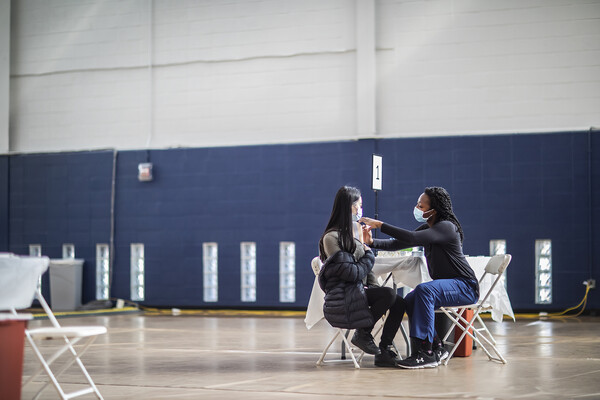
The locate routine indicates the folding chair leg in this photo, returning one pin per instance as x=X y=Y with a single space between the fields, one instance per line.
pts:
x=46 y=368
x=77 y=359
x=91 y=389
x=351 y=352
x=406 y=340
x=460 y=339
x=476 y=339
x=54 y=376
x=465 y=329
x=485 y=329
x=48 y=362
x=499 y=357
x=320 y=361
x=343 y=346
x=339 y=332
x=449 y=331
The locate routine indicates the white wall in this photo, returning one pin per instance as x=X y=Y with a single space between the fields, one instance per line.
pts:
x=223 y=73
x=273 y=71
x=475 y=66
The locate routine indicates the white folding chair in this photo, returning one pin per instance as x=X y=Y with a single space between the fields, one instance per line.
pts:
x=496 y=267
x=316 y=267
x=339 y=332
x=70 y=335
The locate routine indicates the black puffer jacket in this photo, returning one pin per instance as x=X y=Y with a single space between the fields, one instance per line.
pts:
x=346 y=303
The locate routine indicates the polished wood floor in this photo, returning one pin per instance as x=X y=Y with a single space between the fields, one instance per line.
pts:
x=195 y=357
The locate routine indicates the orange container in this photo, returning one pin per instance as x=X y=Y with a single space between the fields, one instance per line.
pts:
x=465 y=348
x=12 y=337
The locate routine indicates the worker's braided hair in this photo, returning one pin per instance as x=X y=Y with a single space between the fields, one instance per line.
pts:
x=440 y=201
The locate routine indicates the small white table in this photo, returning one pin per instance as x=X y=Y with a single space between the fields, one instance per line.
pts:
x=410 y=271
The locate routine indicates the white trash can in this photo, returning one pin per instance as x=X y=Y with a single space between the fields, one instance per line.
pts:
x=65 y=283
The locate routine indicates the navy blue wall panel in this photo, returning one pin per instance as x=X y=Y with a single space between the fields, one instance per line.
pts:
x=3 y=203
x=514 y=187
x=263 y=194
x=61 y=198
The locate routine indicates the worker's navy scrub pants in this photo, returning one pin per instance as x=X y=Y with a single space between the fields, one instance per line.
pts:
x=422 y=302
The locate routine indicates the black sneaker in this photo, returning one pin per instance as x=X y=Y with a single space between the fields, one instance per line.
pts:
x=421 y=359
x=364 y=341
x=387 y=358
x=440 y=354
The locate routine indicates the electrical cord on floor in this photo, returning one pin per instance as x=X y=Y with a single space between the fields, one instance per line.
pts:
x=581 y=304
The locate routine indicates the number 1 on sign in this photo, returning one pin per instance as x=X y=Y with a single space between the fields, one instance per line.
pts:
x=377 y=172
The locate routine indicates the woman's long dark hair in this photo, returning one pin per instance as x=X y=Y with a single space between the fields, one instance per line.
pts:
x=440 y=201
x=341 y=220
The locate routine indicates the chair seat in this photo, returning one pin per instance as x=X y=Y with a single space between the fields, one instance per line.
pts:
x=68 y=331
x=484 y=307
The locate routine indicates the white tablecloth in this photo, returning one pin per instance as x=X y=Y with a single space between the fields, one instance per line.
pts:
x=411 y=271
x=406 y=270
x=18 y=279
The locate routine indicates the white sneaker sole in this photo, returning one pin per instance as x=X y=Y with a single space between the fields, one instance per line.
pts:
x=430 y=365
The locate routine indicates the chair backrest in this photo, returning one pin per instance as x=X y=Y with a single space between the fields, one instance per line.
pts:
x=495 y=266
x=498 y=264
x=316 y=265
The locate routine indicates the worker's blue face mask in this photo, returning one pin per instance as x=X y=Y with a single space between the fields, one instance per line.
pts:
x=419 y=215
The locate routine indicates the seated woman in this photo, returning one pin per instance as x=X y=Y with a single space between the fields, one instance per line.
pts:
x=454 y=282
x=347 y=263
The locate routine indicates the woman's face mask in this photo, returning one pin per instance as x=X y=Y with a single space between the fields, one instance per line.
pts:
x=358 y=215
x=356 y=211
x=419 y=215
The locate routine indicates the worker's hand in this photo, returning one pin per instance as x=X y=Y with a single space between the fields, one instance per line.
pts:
x=373 y=223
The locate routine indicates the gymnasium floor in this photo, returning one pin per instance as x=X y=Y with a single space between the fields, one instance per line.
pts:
x=249 y=357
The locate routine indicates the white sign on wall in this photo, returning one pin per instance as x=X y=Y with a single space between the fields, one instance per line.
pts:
x=377 y=166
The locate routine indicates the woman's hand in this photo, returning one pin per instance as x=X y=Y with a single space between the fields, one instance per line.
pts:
x=373 y=223
x=367 y=235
